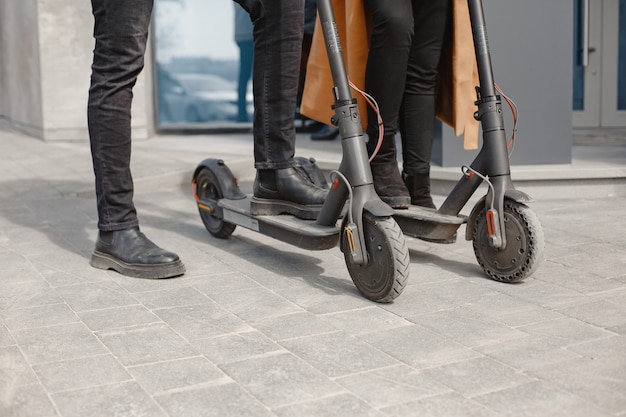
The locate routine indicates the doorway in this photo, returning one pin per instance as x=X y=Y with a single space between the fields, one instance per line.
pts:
x=599 y=81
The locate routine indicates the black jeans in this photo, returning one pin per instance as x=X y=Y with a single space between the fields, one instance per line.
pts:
x=121 y=30
x=406 y=41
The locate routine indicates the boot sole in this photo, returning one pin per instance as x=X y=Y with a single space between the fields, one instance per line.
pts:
x=397 y=202
x=102 y=260
x=268 y=207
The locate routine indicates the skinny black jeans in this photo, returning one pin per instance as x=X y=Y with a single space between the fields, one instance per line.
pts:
x=405 y=47
x=121 y=32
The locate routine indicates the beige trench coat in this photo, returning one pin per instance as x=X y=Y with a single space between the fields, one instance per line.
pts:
x=458 y=74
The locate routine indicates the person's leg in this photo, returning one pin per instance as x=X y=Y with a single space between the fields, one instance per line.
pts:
x=417 y=119
x=280 y=186
x=385 y=74
x=120 y=31
x=246 y=54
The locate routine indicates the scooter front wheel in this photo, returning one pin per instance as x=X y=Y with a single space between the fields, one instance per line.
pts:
x=524 y=244
x=384 y=276
x=208 y=192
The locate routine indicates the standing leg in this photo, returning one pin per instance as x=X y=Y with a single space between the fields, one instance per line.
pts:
x=417 y=117
x=385 y=75
x=280 y=185
x=120 y=31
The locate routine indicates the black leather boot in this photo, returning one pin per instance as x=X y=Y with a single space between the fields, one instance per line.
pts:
x=387 y=178
x=419 y=189
x=286 y=191
x=131 y=253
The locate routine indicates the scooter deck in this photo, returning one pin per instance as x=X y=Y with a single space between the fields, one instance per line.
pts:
x=427 y=224
x=305 y=234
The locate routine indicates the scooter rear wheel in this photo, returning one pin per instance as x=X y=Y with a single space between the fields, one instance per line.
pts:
x=387 y=270
x=208 y=190
x=524 y=244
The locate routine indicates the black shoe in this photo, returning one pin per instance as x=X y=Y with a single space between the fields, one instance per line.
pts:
x=325 y=133
x=131 y=253
x=389 y=185
x=286 y=191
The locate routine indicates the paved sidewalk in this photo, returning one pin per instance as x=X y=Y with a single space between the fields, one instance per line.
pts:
x=259 y=328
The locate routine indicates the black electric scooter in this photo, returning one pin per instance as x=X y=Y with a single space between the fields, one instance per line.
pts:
x=507 y=236
x=353 y=215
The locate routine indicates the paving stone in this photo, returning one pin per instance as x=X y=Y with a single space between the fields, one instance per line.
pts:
x=163 y=377
x=171 y=297
x=125 y=399
x=56 y=343
x=81 y=373
x=390 y=386
x=293 y=325
x=118 y=317
x=236 y=347
x=26 y=401
x=83 y=297
x=448 y=404
x=338 y=405
x=599 y=313
x=280 y=379
x=39 y=316
x=337 y=354
x=365 y=320
x=224 y=400
x=151 y=343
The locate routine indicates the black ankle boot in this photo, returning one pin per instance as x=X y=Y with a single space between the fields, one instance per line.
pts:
x=286 y=191
x=389 y=185
x=131 y=253
x=419 y=189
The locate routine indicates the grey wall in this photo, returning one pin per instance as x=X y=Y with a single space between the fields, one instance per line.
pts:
x=45 y=69
x=531 y=48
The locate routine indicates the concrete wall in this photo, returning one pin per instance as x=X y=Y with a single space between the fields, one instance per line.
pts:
x=44 y=76
x=531 y=48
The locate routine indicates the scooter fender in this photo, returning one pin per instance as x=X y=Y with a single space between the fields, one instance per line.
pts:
x=510 y=194
x=224 y=176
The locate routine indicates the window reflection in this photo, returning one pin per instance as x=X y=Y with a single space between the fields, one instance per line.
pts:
x=198 y=53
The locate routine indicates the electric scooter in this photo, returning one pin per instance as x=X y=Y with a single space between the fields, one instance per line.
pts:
x=507 y=237
x=352 y=216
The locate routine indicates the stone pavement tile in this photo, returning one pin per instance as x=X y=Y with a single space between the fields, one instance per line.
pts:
x=163 y=377
x=467 y=327
x=95 y=296
x=223 y=283
x=600 y=258
x=456 y=290
x=365 y=320
x=280 y=379
x=337 y=405
x=146 y=344
x=15 y=371
x=26 y=401
x=509 y=310
x=599 y=313
x=224 y=400
x=530 y=353
x=236 y=347
x=118 y=317
x=419 y=347
x=293 y=325
x=576 y=279
x=535 y=291
x=5 y=337
x=448 y=405
x=538 y=399
x=171 y=297
x=477 y=376
x=338 y=354
x=201 y=321
x=81 y=373
x=38 y=316
x=612 y=346
x=413 y=302
x=570 y=331
x=315 y=297
x=16 y=293
x=395 y=385
x=57 y=343
x=255 y=304
x=600 y=381
x=124 y=399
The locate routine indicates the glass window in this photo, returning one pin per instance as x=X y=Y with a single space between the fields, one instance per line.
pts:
x=579 y=69
x=621 y=69
x=198 y=51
